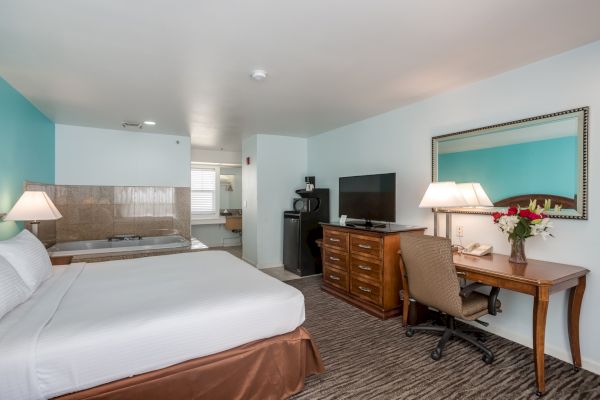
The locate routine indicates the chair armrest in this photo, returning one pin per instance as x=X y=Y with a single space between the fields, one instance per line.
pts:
x=470 y=288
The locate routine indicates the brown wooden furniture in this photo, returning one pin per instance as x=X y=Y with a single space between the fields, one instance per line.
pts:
x=233 y=222
x=539 y=279
x=524 y=199
x=360 y=266
x=61 y=260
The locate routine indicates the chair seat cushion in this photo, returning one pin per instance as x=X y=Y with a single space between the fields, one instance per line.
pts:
x=475 y=305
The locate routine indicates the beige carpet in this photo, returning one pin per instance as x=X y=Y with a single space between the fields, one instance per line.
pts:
x=367 y=358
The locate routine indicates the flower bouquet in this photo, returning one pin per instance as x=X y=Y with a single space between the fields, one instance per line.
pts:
x=519 y=224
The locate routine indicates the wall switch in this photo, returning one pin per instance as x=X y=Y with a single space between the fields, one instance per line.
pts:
x=460 y=231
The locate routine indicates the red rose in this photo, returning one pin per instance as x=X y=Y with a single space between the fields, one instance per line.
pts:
x=512 y=211
x=534 y=216
x=497 y=216
x=525 y=214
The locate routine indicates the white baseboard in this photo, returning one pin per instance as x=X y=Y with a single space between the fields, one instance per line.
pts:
x=557 y=352
x=269 y=266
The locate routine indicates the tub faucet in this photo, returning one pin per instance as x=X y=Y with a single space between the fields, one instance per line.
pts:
x=123 y=237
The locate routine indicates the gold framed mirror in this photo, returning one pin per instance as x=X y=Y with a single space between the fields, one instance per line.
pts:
x=542 y=158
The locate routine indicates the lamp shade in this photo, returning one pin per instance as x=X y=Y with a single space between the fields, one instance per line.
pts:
x=475 y=195
x=33 y=206
x=443 y=195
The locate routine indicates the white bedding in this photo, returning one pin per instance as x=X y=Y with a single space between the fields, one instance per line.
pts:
x=89 y=324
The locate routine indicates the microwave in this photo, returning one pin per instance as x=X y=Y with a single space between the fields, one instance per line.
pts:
x=306 y=205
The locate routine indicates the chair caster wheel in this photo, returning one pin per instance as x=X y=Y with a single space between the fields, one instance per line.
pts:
x=487 y=359
x=576 y=369
x=436 y=354
x=410 y=332
x=539 y=394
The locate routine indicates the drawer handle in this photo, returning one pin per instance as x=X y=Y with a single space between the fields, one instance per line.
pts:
x=364 y=246
x=365 y=289
x=335 y=278
x=334 y=240
x=364 y=267
x=334 y=258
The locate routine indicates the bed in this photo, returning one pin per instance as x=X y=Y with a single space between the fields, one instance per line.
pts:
x=193 y=325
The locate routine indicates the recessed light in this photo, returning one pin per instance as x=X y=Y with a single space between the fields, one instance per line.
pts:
x=259 y=74
x=151 y=123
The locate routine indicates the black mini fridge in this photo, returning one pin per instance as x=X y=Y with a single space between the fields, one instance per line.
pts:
x=301 y=229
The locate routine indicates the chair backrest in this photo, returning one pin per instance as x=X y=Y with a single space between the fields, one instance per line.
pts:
x=432 y=278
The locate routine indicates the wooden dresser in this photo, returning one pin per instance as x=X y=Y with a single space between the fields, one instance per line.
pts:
x=360 y=266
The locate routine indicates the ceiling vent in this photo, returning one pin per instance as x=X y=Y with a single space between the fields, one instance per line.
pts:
x=126 y=124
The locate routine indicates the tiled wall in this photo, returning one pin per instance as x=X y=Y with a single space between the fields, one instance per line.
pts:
x=97 y=212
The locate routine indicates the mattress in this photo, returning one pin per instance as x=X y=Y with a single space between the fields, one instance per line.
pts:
x=91 y=324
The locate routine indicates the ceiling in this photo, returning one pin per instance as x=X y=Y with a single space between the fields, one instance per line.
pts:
x=185 y=63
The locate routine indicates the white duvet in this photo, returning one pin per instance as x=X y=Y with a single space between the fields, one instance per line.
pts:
x=90 y=324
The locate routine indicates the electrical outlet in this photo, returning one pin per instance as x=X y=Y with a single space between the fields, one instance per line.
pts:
x=460 y=231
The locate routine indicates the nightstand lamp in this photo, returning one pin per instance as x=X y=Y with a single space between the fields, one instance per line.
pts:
x=475 y=195
x=33 y=207
x=440 y=196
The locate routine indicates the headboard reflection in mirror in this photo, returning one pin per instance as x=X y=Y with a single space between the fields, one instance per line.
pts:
x=542 y=158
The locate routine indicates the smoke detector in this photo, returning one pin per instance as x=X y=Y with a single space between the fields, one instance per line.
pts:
x=259 y=75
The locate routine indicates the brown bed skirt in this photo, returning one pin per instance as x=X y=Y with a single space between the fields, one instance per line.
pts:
x=273 y=368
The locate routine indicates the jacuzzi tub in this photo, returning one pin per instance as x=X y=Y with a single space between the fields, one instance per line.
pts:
x=105 y=246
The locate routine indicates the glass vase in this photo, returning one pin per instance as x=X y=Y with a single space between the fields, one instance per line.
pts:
x=517 y=251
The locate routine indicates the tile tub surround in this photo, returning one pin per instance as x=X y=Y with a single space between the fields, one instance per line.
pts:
x=97 y=212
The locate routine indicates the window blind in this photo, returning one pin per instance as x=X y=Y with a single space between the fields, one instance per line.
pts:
x=204 y=189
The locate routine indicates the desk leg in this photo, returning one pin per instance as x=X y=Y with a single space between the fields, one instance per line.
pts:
x=540 y=309
x=575 y=298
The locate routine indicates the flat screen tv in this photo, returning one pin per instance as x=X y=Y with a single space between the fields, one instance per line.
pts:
x=369 y=197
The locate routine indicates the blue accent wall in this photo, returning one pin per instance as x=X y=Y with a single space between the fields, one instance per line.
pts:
x=26 y=150
x=545 y=167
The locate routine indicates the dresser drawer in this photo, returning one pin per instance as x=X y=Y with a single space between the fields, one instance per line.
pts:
x=365 y=290
x=335 y=277
x=336 y=258
x=366 y=268
x=366 y=245
x=337 y=239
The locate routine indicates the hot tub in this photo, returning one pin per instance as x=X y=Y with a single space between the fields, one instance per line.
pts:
x=106 y=246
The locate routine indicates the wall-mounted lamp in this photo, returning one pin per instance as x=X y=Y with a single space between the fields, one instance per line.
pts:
x=33 y=207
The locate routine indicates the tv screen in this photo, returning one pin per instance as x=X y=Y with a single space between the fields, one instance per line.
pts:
x=369 y=197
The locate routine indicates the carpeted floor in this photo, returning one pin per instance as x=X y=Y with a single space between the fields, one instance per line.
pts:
x=367 y=358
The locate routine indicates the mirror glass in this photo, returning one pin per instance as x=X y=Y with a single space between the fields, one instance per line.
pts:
x=542 y=158
x=230 y=190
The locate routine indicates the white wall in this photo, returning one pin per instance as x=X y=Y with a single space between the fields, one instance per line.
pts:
x=216 y=156
x=400 y=141
x=92 y=156
x=249 y=201
x=277 y=169
x=281 y=170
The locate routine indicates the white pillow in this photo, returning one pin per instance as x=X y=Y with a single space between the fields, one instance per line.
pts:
x=29 y=258
x=13 y=290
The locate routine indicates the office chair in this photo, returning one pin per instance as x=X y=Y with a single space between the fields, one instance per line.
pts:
x=433 y=281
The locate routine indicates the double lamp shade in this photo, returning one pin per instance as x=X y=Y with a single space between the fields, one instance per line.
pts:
x=450 y=195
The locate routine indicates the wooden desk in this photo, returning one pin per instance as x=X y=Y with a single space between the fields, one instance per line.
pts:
x=539 y=279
